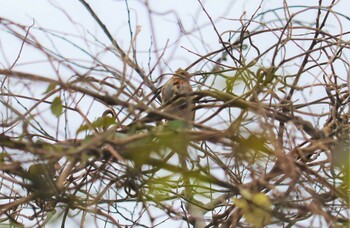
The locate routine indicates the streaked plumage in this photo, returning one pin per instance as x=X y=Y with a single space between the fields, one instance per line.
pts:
x=178 y=86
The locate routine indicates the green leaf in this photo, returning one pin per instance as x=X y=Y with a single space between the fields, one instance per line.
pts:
x=177 y=125
x=51 y=87
x=57 y=107
x=230 y=82
x=256 y=207
x=101 y=122
x=3 y=155
x=38 y=169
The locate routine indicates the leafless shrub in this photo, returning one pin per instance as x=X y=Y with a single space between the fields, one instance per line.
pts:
x=269 y=144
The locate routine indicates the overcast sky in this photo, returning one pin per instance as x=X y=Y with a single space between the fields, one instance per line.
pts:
x=170 y=20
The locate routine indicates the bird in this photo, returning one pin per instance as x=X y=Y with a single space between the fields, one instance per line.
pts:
x=175 y=96
x=176 y=100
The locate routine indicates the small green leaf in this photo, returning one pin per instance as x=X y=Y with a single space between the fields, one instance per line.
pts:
x=38 y=169
x=83 y=127
x=3 y=155
x=177 y=125
x=57 y=107
x=101 y=122
x=256 y=207
x=51 y=87
x=230 y=82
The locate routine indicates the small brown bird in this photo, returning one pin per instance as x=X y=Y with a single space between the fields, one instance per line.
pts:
x=178 y=86
x=175 y=99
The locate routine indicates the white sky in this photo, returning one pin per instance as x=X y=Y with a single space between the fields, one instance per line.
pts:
x=71 y=17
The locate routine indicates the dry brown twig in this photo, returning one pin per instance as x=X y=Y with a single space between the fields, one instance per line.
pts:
x=269 y=144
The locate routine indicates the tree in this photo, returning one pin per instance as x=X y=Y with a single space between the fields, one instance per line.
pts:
x=269 y=144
